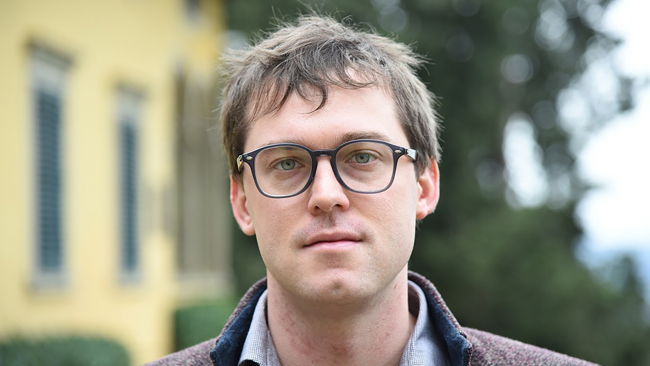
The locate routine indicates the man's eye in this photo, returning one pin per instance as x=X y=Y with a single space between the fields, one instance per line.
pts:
x=362 y=158
x=287 y=164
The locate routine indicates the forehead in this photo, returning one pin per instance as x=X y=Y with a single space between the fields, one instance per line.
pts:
x=346 y=115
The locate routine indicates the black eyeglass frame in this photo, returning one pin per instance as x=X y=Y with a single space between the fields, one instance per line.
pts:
x=249 y=158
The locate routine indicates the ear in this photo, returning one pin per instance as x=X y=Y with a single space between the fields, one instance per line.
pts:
x=240 y=206
x=428 y=190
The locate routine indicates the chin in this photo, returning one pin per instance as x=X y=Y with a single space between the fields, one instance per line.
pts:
x=339 y=289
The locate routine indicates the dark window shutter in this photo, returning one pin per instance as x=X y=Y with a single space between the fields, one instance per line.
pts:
x=49 y=174
x=129 y=147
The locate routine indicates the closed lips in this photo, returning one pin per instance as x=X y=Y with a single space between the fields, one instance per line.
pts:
x=334 y=237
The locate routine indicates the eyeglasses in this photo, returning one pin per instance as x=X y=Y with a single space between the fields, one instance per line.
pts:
x=361 y=166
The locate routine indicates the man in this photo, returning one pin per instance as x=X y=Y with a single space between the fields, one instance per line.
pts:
x=332 y=145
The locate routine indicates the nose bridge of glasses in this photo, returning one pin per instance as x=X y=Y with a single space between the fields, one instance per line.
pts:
x=316 y=154
x=323 y=154
x=319 y=153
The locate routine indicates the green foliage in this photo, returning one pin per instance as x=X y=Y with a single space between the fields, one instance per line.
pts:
x=63 y=351
x=509 y=271
x=200 y=322
x=523 y=281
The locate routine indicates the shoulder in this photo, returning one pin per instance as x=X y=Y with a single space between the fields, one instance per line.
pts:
x=226 y=347
x=490 y=349
x=198 y=355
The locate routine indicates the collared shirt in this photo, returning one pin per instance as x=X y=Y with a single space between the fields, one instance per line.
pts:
x=424 y=347
x=258 y=347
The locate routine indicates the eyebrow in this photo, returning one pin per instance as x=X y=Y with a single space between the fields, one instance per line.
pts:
x=341 y=139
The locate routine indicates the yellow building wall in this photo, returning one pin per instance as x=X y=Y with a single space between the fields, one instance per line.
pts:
x=138 y=43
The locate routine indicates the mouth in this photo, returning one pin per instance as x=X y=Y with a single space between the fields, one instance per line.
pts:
x=333 y=241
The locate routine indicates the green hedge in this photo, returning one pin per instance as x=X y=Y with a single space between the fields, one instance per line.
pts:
x=197 y=323
x=62 y=351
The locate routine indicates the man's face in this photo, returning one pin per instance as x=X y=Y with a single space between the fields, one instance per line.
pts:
x=328 y=244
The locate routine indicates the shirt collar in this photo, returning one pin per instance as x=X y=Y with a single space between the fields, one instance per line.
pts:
x=424 y=347
x=259 y=347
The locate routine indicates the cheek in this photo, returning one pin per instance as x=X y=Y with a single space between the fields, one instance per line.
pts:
x=273 y=223
x=394 y=217
x=402 y=199
x=393 y=224
x=401 y=208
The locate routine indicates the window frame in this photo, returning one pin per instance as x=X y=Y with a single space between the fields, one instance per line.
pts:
x=49 y=73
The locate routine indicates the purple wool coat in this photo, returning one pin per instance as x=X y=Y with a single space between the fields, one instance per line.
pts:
x=465 y=346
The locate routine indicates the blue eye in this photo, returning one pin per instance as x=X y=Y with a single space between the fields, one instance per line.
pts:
x=287 y=164
x=362 y=158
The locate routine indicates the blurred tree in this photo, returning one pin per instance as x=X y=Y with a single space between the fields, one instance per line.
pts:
x=502 y=266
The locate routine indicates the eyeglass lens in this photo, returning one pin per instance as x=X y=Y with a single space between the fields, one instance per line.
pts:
x=362 y=166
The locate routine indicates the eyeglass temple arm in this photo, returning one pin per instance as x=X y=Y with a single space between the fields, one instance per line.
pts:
x=240 y=162
x=411 y=153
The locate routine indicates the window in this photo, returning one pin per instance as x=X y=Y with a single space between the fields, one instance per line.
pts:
x=129 y=113
x=203 y=208
x=48 y=83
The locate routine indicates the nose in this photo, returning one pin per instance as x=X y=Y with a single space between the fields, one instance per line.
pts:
x=326 y=193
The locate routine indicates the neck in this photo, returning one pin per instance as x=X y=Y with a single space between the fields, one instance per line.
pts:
x=370 y=332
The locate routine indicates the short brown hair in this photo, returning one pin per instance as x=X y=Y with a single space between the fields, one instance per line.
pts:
x=311 y=55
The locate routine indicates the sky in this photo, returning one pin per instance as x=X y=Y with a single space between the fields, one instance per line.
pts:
x=615 y=214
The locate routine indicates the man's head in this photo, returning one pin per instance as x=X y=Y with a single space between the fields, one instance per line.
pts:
x=332 y=225
x=308 y=58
